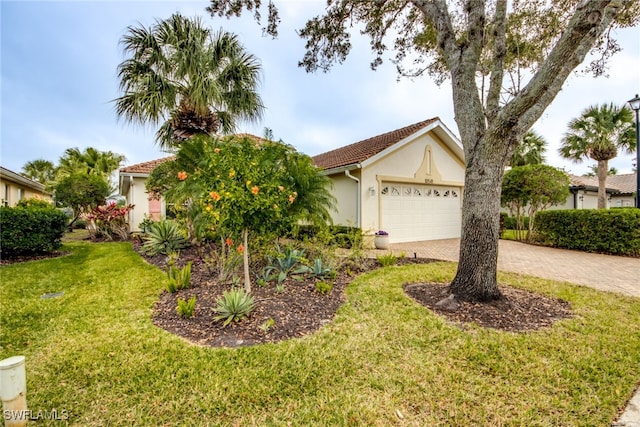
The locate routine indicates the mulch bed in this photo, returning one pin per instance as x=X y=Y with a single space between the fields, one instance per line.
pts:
x=25 y=258
x=300 y=310
x=518 y=311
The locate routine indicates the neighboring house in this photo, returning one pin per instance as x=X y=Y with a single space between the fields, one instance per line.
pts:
x=408 y=182
x=15 y=187
x=132 y=186
x=584 y=192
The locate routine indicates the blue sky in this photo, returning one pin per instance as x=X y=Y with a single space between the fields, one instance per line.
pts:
x=58 y=77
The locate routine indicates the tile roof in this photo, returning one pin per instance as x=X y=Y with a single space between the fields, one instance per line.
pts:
x=625 y=184
x=145 y=167
x=148 y=167
x=365 y=149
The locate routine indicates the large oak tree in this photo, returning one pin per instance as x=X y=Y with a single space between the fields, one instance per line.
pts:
x=506 y=60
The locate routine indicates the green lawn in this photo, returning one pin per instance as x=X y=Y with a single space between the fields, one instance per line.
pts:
x=384 y=360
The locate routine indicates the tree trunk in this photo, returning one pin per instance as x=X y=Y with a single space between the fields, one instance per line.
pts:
x=245 y=258
x=603 y=170
x=476 y=278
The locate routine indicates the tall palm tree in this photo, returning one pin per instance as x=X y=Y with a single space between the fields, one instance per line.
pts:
x=188 y=80
x=598 y=134
x=39 y=170
x=530 y=151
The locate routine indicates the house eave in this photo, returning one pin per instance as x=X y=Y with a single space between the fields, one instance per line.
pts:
x=593 y=189
x=341 y=169
x=34 y=185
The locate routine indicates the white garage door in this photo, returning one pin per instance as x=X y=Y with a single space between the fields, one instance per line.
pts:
x=412 y=213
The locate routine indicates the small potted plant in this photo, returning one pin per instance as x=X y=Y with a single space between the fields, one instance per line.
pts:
x=381 y=240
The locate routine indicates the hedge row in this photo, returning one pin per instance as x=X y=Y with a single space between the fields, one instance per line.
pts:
x=613 y=231
x=27 y=231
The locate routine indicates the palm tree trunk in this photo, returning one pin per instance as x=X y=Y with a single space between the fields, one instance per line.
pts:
x=603 y=170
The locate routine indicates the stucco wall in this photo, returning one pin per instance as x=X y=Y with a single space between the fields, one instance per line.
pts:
x=622 y=201
x=404 y=162
x=345 y=191
x=13 y=192
x=138 y=196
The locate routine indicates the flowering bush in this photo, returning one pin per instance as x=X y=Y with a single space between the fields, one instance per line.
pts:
x=239 y=186
x=109 y=221
x=381 y=233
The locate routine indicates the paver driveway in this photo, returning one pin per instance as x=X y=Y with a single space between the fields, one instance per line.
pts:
x=603 y=272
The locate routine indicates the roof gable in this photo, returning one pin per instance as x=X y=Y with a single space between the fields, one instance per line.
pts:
x=366 y=149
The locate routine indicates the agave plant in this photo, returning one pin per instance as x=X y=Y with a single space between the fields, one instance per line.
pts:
x=164 y=237
x=234 y=305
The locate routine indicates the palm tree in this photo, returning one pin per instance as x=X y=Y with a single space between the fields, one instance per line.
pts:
x=187 y=80
x=598 y=134
x=39 y=170
x=90 y=162
x=530 y=151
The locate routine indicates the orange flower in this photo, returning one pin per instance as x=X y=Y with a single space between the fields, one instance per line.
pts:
x=182 y=175
x=215 y=196
x=255 y=189
x=240 y=249
x=280 y=187
x=291 y=198
x=216 y=150
x=229 y=242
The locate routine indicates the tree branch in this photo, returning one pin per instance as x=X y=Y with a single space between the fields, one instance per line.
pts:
x=499 y=29
x=591 y=19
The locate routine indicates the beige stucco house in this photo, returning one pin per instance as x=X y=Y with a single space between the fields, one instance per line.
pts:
x=15 y=187
x=408 y=182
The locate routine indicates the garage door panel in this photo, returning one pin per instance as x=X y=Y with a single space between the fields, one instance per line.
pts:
x=420 y=212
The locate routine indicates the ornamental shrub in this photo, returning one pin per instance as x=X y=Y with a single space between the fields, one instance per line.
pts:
x=110 y=221
x=30 y=230
x=164 y=237
x=186 y=308
x=34 y=202
x=614 y=231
